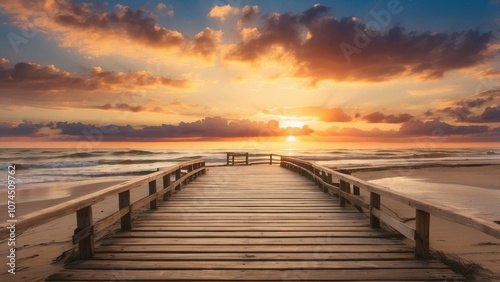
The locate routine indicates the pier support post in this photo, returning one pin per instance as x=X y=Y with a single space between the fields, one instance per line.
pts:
x=356 y=192
x=329 y=180
x=84 y=219
x=177 y=177
x=374 y=204
x=123 y=202
x=344 y=187
x=166 y=183
x=152 y=190
x=422 y=226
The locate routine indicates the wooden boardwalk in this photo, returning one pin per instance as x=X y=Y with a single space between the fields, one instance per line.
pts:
x=253 y=223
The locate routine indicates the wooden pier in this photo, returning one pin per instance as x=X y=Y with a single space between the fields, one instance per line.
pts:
x=253 y=223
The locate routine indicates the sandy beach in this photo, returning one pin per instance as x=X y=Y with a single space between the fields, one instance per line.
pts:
x=39 y=247
x=450 y=238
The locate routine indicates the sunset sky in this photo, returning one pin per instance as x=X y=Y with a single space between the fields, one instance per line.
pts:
x=131 y=72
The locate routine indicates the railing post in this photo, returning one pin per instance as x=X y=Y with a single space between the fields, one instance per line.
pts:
x=152 y=190
x=270 y=159
x=246 y=158
x=177 y=177
x=232 y=157
x=422 y=226
x=342 y=189
x=329 y=180
x=205 y=170
x=189 y=169
x=166 y=183
x=374 y=204
x=84 y=219
x=355 y=191
x=227 y=156
x=123 y=202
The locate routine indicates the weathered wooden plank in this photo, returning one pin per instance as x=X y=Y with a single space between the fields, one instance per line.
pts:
x=249 y=241
x=252 y=275
x=402 y=228
x=248 y=216
x=322 y=248
x=304 y=256
x=262 y=265
x=254 y=234
x=225 y=228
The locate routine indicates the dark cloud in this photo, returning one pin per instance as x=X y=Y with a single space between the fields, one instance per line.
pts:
x=378 y=117
x=36 y=77
x=376 y=56
x=437 y=127
x=490 y=114
x=210 y=127
x=467 y=110
x=248 y=13
x=134 y=25
x=323 y=114
x=438 y=130
x=206 y=43
x=25 y=128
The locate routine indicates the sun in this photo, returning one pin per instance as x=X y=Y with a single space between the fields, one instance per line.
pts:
x=291 y=138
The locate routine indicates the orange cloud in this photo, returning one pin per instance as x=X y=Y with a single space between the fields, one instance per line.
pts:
x=36 y=77
x=221 y=12
x=94 y=32
x=314 y=40
x=206 y=43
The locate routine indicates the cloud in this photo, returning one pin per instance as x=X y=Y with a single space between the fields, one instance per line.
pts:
x=37 y=77
x=134 y=25
x=206 y=43
x=437 y=127
x=468 y=110
x=25 y=128
x=221 y=12
x=94 y=31
x=3 y=61
x=490 y=114
x=209 y=127
x=246 y=14
x=161 y=6
x=316 y=41
x=378 y=117
x=323 y=114
x=128 y=108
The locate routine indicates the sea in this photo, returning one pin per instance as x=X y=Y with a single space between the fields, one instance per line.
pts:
x=65 y=165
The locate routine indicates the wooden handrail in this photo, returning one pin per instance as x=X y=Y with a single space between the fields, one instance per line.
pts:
x=257 y=158
x=323 y=176
x=82 y=206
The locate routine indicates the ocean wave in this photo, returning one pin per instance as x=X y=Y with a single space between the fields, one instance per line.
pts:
x=50 y=165
x=134 y=153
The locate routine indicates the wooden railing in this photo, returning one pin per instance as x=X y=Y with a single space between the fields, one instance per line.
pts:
x=87 y=229
x=249 y=159
x=347 y=189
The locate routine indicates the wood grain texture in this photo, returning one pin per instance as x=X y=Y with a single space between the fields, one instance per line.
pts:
x=253 y=223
